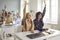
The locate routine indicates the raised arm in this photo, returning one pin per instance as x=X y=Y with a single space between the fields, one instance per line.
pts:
x=24 y=16
x=24 y=11
x=44 y=10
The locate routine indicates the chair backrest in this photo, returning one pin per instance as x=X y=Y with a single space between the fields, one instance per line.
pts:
x=1 y=18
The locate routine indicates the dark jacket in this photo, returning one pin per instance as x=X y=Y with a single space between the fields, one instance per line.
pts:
x=39 y=24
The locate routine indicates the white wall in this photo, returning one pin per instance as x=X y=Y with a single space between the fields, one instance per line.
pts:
x=33 y=7
x=58 y=26
x=12 y=5
x=59 y=11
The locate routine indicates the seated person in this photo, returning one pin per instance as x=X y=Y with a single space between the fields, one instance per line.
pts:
x=1 y=18
x=27 y=23
x=14 y=16
x=38 y=21
x=18 y=19
x=8 y=18
x=4 y=11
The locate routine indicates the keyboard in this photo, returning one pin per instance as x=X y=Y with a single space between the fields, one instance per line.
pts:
x=35 y=35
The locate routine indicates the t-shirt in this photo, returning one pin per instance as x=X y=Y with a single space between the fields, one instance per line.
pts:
x=18 y=20
x=8 y=20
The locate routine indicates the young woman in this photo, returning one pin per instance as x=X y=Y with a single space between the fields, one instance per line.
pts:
x=27 y=23
x=38 y=21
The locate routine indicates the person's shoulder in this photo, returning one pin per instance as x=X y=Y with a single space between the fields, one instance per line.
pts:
x=23 y=20
x=34 y=20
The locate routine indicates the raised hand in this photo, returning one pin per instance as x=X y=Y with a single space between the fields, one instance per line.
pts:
x=45 y=3
x=24 y=10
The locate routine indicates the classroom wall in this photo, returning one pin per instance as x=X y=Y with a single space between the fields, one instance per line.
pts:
x=33 y=8
x=33 y=5
x=59 y=11
x=58 y=26
x=12 y=5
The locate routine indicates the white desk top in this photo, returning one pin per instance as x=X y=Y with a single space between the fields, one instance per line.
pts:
x=9 y=28
x=4 y=26
x=22 y=35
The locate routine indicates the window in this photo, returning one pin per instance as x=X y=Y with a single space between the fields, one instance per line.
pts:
x=54 y=11
x=39 y=4
x=21 y=9
x=27 y=6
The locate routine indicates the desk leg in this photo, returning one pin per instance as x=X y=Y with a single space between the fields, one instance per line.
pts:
x=5 y=36
x=15 y=37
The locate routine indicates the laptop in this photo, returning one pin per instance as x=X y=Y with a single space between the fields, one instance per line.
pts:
x=35 y=35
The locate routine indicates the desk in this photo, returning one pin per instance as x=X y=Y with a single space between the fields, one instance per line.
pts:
x=9 y=30
x=1 y=34
x=54 y=36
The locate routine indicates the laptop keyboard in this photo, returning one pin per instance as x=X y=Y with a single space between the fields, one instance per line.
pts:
x=35 y=35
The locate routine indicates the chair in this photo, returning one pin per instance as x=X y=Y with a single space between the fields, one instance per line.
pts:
x=1 y=34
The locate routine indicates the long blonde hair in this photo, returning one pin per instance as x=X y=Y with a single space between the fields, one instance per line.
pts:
x=24 y=21
x=28 y=14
